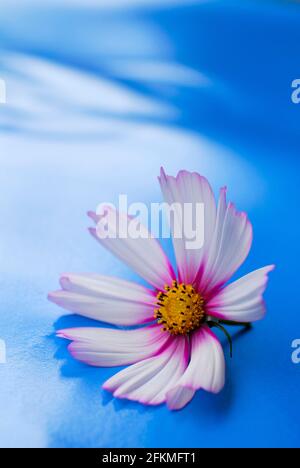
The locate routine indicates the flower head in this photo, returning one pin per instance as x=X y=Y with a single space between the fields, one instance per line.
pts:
x=172 y=352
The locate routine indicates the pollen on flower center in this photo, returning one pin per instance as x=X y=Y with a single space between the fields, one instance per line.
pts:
x=181 y=309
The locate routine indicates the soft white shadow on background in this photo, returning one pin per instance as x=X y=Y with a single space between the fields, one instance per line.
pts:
x=113 y=4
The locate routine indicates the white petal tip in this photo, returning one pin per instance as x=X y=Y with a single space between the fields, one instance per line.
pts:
x=62 y=334
x=178 y=397
x=54 y=296
x=93 y=232
x=92 y=215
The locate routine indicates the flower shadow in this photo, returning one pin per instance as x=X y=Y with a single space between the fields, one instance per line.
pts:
x=71 y=368
x=93 y=377
x=217 y=405
x=89 y=376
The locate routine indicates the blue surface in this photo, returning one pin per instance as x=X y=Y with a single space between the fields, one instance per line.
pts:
x=98 y=100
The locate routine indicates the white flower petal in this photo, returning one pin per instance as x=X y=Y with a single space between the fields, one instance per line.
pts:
x=189 y=188
x=230 y=246
x=148 y=381
x=143 y=254
x=105 y=298
x=242 y=301
x=206 y=369
x=179 y=396
x=106 y=347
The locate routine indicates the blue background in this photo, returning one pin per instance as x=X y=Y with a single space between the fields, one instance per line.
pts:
x=99 y=96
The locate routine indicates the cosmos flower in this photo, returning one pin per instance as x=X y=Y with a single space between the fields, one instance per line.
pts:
x=172 y=351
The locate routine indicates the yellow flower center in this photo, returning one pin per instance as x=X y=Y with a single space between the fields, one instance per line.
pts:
x=181 y=309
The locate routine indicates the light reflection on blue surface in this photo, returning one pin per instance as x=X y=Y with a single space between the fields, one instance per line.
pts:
x=98 y=100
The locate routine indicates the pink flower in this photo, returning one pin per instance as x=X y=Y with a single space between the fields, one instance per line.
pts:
x=175 y=352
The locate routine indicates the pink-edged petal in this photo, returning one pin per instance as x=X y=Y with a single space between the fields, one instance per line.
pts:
x=206 y=369
x=148 y=381
x=106 y=347
x=242 y=301
x=230 y=246
x=131 y=242
x=105 y=298
x=189 y=188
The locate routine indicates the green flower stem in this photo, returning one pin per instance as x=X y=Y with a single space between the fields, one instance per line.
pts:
x=220 y=327
x=219 y=324
x=235 y=324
